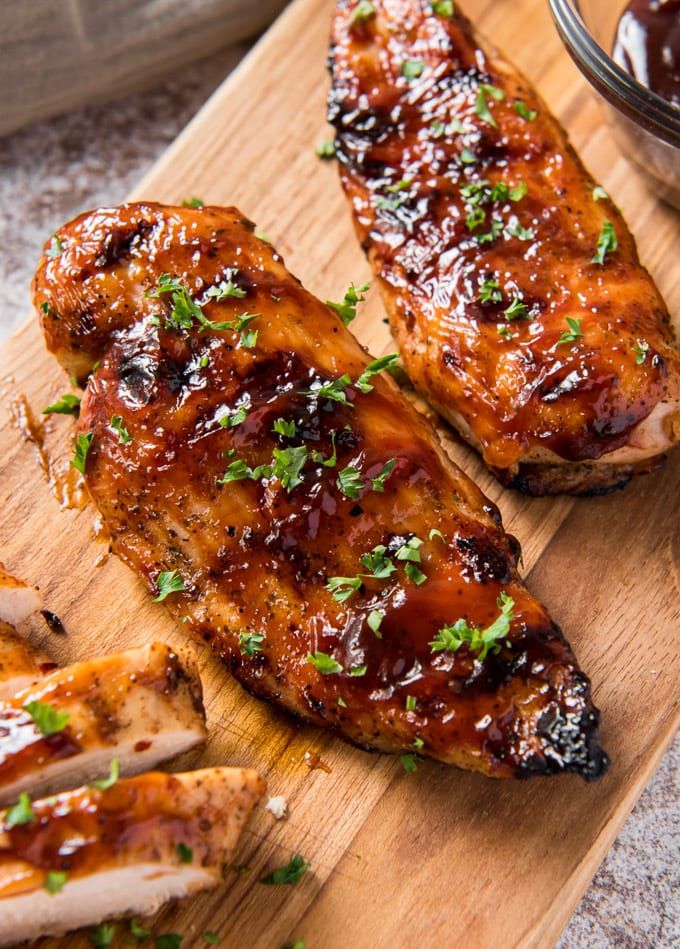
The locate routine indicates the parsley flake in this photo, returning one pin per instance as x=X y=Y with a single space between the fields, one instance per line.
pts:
x=412 y=68
x=349 y=482
x=442 y=7
x=414 y=573
x=408 y=762
x=468 y=157
x=374 y=620
x=185 y=854
x=105 y=783
x=343 y=588
x=504 y=331
x=83 y=443
x=21 y=813
x=363 y=11
x=67 y=405
x=379 y=565
x=641 y=350
x=324 y=663
x=226 y=289
x=291 y=873
x=211 y=938
x=168 y=581
x=435 y=532
x=46 y=718
x=55 y=881
x=138 y=931
x=347 y=309
x=529 y=115
x=378 y=483
x=599 y=194
x=193 y=203
x=607 y=243
x=490 y=292
x=250 y=643
x=285 y=428
x=168 y=941
x=102 y=935
x=410 y=703
x=373 y=369
x=517 y=310
x=480 y=641
x=55 y=248
x=117 y=425
x=357 y=671
x=572 y=334
x=288 y=464
x=325 y=150
x=482 y=106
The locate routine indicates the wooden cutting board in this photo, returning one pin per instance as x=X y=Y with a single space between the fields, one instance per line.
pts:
x=436 y=858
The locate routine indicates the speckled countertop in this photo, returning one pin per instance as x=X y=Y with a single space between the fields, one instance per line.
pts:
x=53 y=170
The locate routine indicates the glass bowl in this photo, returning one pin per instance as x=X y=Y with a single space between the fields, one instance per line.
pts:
x=646 y=126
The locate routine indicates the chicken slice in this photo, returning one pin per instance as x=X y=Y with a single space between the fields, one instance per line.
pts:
x=90 y=854
x=512 y=283
x=21 y=663
x=270 y=481
x=141 y=706
x=18 y=600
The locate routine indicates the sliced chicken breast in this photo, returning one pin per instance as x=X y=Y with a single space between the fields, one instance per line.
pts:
x=21 y=663
x=90 y=854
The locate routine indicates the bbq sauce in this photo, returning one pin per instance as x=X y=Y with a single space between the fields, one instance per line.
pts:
x=647 y=46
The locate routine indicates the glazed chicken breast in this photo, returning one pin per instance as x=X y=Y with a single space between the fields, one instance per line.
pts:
x=21 y=663
x=267 y=479
x=511 y=281
x=94 y=853
x=141 y=706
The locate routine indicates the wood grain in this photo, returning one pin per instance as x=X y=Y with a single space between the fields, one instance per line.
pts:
x=441 y=857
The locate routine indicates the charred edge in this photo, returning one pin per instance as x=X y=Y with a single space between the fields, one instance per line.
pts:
x=571 y=740
x=577 y=480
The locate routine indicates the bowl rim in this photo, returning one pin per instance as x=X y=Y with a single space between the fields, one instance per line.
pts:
x=619 y=88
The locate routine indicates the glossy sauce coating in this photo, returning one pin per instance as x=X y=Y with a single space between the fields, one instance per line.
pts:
x=647 y=45
x=256 y=556
x=483 y=228
x=138 y=820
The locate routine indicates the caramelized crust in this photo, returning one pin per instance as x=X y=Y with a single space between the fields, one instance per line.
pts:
x=255 y=555
x=437 y=138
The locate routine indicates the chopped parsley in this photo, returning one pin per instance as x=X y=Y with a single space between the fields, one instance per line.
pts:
x=572 y=334
x=480 y=641
x=607 y=243
x=435 y=532
x=83 y=443
x=349 y=482
x=343 y=588
x=67 y=405
x=363 y=11
x=211 y=938
x=347 y=309
x=599 y=194
x=326 y=149
x=504 y=330
x=250 y=643
x=21 y=813
x=490 y=291
x=137 y=930
x=374 y=620
x=288 y=464
x=291 y=873
x=641 y=351
x=226 y=289
x=168 y=581
x=285 y=428
x=168 y=941
x=378 y=565
x=54 y=250
x=414 y=573
x=391 y=204
x=515 y=229
x=523 y=112
x=185 y=854
x=102 y=935
x=46 y=718
x=193 y=203
x=468 y=157
x=186 y=312
x=410 y=550
x=117 y=425
x=408 y=762
x=55 y=881
x=357 y=671
x=105 y=783
x=517 y=310
x=236 y=416
x=324 y=663
x=482 y=105
x=410 y=703
x=412 y=68
x=378 y=483
x=373 y=369
x=442 y=7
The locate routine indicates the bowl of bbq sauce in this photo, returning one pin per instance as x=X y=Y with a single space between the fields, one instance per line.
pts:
x=629 y=50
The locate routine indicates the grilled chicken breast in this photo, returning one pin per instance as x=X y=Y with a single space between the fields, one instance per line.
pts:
x=89 y=854
x=141 y=706
x=21 y=663
x=512 y=283
x=261 y=473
